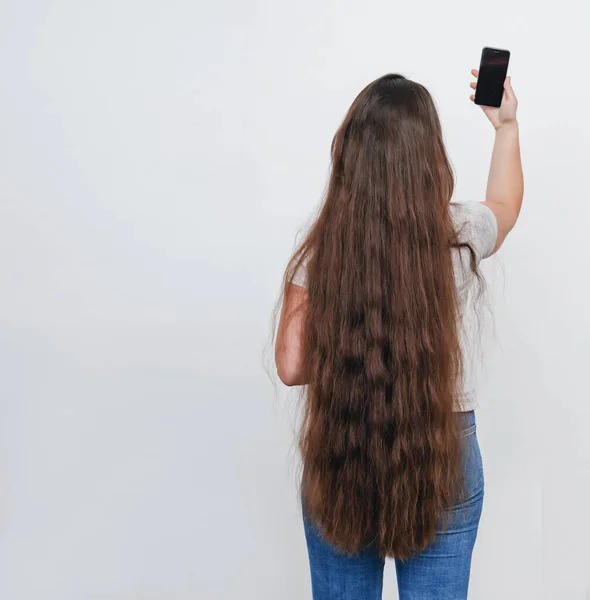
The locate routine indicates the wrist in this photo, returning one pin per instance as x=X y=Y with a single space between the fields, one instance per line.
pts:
x=508 y=125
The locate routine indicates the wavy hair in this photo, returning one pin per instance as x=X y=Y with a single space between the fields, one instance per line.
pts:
x=380 y=449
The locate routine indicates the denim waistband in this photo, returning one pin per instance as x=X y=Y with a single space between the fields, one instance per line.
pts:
x=465 y=420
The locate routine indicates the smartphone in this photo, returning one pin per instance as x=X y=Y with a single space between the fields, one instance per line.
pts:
x=492 y=73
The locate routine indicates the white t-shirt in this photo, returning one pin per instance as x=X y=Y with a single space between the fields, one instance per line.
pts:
x=476 y=225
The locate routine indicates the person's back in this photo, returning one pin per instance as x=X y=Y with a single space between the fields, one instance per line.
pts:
x=373 y=325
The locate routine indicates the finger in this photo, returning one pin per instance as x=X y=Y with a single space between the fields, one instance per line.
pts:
x=472 y=98
x=473 y=85
x=508 y=89
x=475 y=72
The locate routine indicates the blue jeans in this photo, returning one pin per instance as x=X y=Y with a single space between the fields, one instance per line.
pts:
x=441 y=572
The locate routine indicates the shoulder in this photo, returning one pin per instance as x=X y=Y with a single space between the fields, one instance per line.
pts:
x=477 y=226
x=299 y=276
x=297 y=271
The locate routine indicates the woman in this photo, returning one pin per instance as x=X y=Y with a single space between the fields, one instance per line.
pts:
x=374 y=325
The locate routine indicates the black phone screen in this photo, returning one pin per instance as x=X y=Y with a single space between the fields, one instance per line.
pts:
x=492 y=73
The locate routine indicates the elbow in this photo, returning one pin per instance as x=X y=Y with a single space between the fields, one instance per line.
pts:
x=288 y=369
x=287 y=375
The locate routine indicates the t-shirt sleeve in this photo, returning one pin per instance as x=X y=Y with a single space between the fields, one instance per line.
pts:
x=478 y=227
x=300 y=276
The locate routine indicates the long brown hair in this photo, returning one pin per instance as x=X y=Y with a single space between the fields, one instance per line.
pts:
x=381 y=454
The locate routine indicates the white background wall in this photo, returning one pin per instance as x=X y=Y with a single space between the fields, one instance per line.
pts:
x=156 y=161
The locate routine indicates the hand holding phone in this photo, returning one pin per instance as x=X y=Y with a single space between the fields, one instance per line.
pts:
x=493 y=90
x=492 y=73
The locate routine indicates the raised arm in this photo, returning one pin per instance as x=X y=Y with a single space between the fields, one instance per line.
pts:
x=505 y=181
